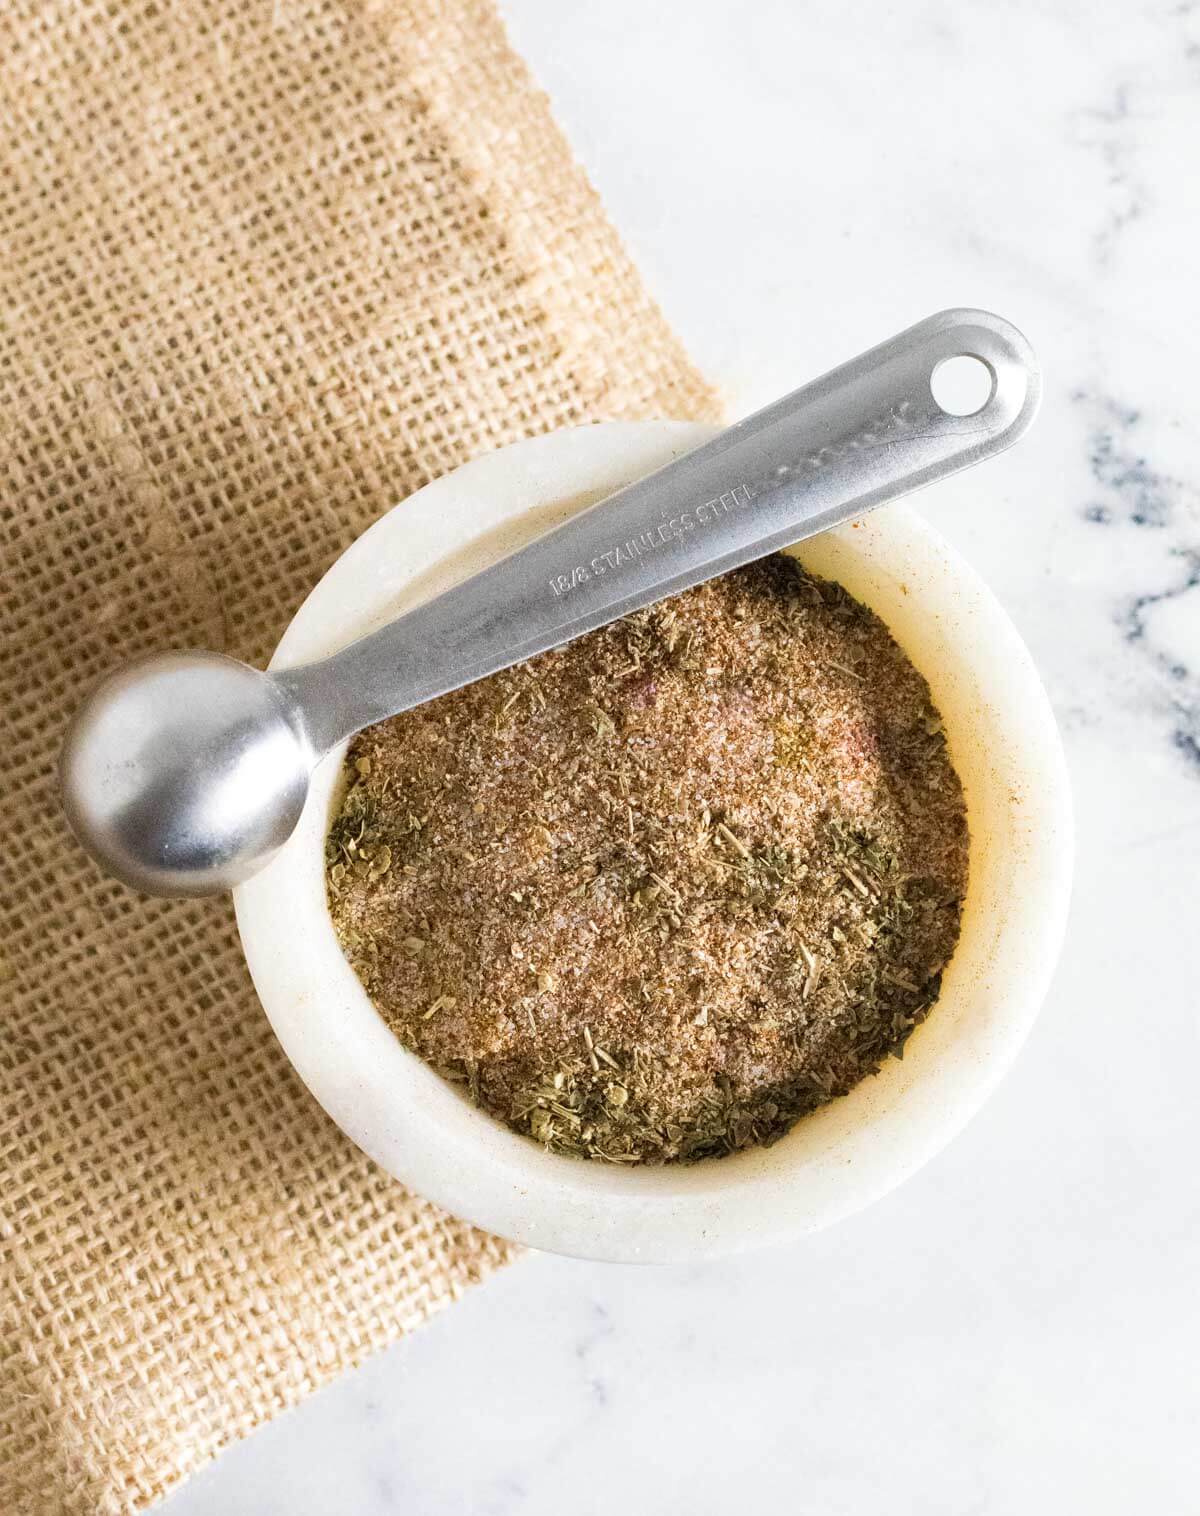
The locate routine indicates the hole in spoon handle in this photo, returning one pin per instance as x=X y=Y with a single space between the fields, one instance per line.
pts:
x=963 y=385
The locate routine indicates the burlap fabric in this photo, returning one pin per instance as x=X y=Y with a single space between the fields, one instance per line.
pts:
x=264 y=270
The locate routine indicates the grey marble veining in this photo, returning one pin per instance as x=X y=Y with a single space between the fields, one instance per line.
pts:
x=1015 y=1330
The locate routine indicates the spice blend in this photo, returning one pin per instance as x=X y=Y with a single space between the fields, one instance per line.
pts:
x=657 y=894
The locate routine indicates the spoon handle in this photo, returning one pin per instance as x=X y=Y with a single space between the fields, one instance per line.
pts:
x=863 y=434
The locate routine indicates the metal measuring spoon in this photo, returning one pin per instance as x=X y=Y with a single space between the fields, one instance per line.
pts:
x=184 y=772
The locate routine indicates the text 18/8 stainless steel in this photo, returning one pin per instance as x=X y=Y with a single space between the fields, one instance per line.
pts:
x=184 y=772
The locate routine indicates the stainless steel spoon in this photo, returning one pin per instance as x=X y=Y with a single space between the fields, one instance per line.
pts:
x=184 y=772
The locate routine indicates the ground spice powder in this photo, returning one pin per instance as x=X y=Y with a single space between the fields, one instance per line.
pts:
x=656 y=895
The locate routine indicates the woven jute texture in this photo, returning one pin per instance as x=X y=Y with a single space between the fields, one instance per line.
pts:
x=264 y=270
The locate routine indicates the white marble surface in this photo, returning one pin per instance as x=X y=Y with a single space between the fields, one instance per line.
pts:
x=1016 y=1329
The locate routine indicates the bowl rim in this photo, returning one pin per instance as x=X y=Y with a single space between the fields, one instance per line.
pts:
x=421 y=1131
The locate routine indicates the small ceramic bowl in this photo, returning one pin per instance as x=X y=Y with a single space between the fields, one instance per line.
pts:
x=1002 y=738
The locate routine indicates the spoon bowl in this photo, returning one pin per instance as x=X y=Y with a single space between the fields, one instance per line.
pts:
x=184 y=772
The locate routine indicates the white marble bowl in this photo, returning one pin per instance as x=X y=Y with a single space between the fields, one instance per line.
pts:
x=1002 y=738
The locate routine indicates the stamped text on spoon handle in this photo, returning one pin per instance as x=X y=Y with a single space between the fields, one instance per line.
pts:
x=658 y=536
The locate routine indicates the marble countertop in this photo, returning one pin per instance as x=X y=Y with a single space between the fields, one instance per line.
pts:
x=1015 y=1329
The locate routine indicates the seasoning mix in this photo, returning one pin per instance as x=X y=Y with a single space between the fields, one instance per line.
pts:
x=656 y=895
